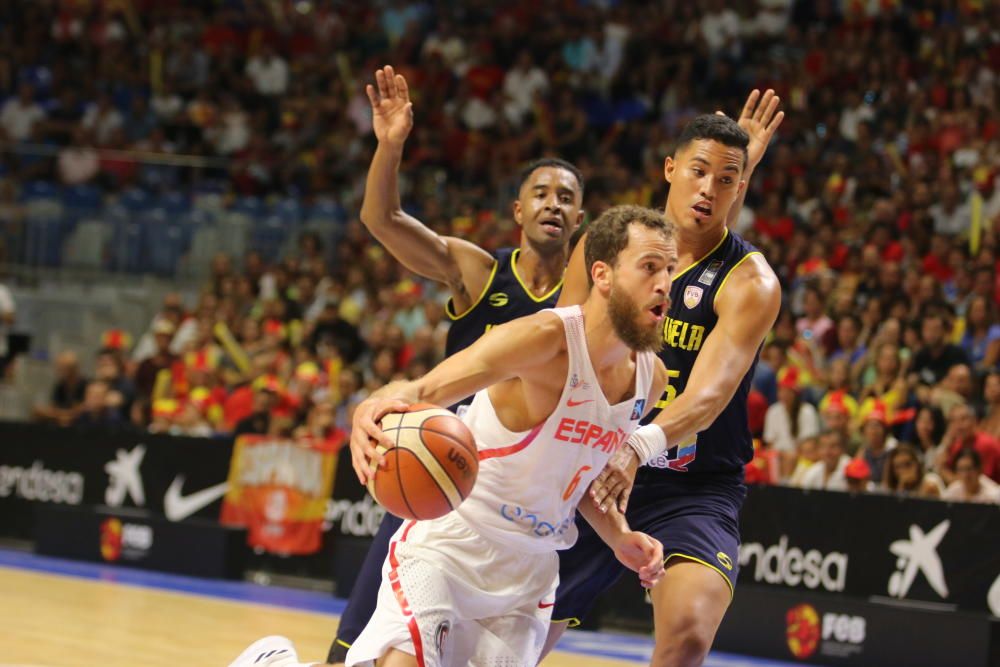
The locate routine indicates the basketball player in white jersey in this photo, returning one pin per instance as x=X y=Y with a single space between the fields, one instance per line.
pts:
x=558 y=392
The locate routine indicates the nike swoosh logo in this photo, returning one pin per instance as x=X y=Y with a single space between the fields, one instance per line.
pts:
x=177 y=507
x=546 y=605
x=570 y=403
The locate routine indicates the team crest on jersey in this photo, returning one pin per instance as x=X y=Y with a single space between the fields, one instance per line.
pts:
x=692 y=295
x=441 y=636
x=574 y=380
x=638 y=408
x=707 y=276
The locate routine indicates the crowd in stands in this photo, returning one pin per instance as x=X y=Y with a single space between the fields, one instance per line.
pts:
x=878 y=204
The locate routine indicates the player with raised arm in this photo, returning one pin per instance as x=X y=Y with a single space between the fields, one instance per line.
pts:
x=724 y=300
x=486 y=290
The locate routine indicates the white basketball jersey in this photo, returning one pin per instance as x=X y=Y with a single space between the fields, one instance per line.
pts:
x=530 y=483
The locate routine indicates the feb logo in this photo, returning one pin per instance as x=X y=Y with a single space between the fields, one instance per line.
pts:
x=802 y=630
x=111 y=539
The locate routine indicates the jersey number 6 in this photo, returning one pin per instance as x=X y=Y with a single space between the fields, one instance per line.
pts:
x=576 y=482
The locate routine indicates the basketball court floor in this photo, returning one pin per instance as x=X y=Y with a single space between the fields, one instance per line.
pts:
x=58 y=613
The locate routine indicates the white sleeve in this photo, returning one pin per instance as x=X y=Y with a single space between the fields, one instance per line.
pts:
x=808 y=421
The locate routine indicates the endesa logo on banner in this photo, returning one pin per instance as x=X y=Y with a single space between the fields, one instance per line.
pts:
x=832 y=634
x=39 y=483
x=791 y=566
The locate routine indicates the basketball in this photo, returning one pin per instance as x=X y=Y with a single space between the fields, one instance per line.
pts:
x=433 y=466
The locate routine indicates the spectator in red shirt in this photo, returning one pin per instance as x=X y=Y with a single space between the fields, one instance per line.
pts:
x=772 y=221
x=962 y=433
x=936 y=261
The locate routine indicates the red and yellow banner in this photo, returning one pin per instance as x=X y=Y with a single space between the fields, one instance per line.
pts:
x=278 y=489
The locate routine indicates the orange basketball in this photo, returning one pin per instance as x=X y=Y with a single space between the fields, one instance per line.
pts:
x=433 y=466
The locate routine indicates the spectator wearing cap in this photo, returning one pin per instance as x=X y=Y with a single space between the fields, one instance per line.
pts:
x=876 y=440
x=905 y=475
x=963 y=434
x=828 y=472
x=172 y=311
x=970 y=484
x=162 y=358
x=858 y=476
x=936 y=355
x=789 y=419
x=838 y=409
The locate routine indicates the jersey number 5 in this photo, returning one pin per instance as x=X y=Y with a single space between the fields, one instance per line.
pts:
x=669 y=392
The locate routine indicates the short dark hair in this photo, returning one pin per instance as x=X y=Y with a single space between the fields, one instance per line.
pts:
x=841 y=440
x=608 y=235
x=852 y=317
x=972 y=455
x=715 y=127
x=558 y=163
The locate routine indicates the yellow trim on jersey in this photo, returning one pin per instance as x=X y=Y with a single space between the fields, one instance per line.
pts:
x=449 y=308
x=725 y=235
x=531 y=295
x=343 y=643
x=701 y=562
x=730 y=272
x=571 y=622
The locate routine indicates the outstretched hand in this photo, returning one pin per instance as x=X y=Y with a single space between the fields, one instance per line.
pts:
x=760 y=119
x=642 y=554
x=392 y=111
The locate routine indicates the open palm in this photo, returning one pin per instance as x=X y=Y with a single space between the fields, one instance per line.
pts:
x=760 y=119
x=392 y=111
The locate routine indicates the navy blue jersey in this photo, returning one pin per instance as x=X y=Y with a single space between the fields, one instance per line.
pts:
x=725 y=446
x=504 y=298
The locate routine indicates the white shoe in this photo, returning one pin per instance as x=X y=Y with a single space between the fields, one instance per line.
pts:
x=273 y=651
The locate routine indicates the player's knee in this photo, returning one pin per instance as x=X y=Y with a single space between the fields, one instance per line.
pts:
x=686 y=644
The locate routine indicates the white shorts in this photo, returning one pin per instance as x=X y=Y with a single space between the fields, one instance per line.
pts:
x=452 y=598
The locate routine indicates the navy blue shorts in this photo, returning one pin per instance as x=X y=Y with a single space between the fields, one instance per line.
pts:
x=697 y=520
